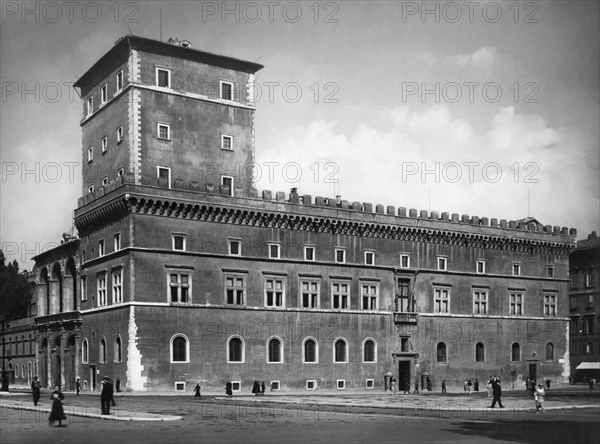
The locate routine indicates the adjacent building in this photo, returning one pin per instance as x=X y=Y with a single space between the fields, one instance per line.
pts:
x=182 y=271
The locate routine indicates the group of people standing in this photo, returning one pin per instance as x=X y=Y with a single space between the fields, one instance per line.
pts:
x=469 y=386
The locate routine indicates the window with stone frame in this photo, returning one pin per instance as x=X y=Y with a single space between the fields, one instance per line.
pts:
x=275 y=292
x=101 y=289
x=340 y=295
x=441 y=300
x=235 y=289
x=369 y=296
x=549 y=305
x=480 y=302
x=310 y=351
x=180 y=286
x=117 y=286
x=516 y=304
x=403 y=295
x=441 y=352
x=309 y=293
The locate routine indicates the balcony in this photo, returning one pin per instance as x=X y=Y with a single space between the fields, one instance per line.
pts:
x=403 y=318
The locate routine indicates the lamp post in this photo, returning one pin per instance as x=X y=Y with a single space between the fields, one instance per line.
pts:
x=4 y=375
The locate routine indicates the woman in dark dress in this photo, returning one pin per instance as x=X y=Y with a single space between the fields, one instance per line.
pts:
x=197 y=391
x=228 y=389
x=57 y=413
x=35 y=390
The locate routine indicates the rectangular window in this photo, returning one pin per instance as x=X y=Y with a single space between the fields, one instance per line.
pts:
x=404 y=261
x=441 y=300
x=235 y=290
x=227 y=181
x=104 y=181
x=550 y=305
x=91 y=189
x=589 y=280
x=226 y=142
x=275 y=385
x=340 y=295
x=274 y=251
x=309 y=293
x=404 y=345
x=235 y=247
x=90 y=105
x=574 y=279
x=341 y=384
x=163 y=131
x=369 y=258
x=516 y=304
x=120 y=134
x=550 y=272
x=309 y=253
x=369 y=293
x=226 y=90
x=83 y=283
x=90 y=153
x=274 y=292
x=119 y=172
x=101 y=289
x=179 y=242
x=480 y=302
x=101 y=251
x=311 y=384
x=117 y=242
x=163 y=77
x=180 y=290
x=236 y=386
x=104 y=93
x=340 y=255
x=480 y=267
x=441 y=263
x=516 y=269
x=119 y=81
x=403 y=294
x=104 y=144
x=370 y=383
x=163 y=175
x=117 y=286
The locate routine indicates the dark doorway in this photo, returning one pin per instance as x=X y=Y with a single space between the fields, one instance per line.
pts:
x=403 y=375
x=533 y=372
x=92 y=378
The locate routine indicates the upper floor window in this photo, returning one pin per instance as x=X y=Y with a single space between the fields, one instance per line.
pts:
x=550 y=271
x=369 y=258
x=549 y=352
x=180 y=349
x=588 y=279
x=104 y=144
x=480 y=267
x=369 y=351
x=180 y=284
x=102 y=351
x=235 y=247
x=235 y=290
x=340 y=295
x=274 y=292
x=310 y=352
x=369 y=294
x=441 y=352
x=235 y=350
x=403 y=295
x=274 y=251
x=117 y=286
x=104 y=93
x=163 y=77
x=163 y=175
x=309 y=253
x=226 y=90
x=516 y=269
x=90 y=105
x=516 y=304
x=83 y=283
x=589 y=348
x=275 y=354
x=179 y=242
x=479 y=352
x=117 y=242
x=340 y=351
x=441 y=263
x=90 y=153
x=515 y=352
x=119 y=133
x=120 y=172
x=480 y=302
x=340 y=255
x=226 y=142
x=163 y=131
x=118 y=349
x=309 y=293
x=119 y=80
x=101 y=250
x=574 y=280
x=91 y=189
x=441 y=300
x=85 y=356
x=549 y=305
x=405 y=261
x=104 y=181
x=227 y=181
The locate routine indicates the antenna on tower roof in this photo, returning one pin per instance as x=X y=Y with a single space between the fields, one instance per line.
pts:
x=160 y=22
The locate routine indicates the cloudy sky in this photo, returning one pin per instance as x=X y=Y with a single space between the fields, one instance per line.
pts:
x=484 y=108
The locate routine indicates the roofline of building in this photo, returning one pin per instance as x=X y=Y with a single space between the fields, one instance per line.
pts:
x=67 y=244
x=129 y=42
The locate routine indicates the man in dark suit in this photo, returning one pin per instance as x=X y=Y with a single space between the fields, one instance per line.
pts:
x=497 y=392
x=106 y=395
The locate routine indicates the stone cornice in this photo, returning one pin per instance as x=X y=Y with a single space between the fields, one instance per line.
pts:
x=257 y=213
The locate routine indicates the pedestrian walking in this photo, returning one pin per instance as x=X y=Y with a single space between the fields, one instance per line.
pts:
x=106 y=395
x=476 y=385
x=262 y=389
x=443 y=387
x=591 y=384
x=256 y=388
x=118 y=385
x=58 y=412
x=489 y=387
x=407 y=387
x=228 y=390
x=35 y=390
x=392 y=386
x=78 y=386
x=416 y=386
x=469 y=385
x=429 y=385
x=465 y=386
x=497 y=392
x=197 y=391
x=539 y=399
x=548 y=384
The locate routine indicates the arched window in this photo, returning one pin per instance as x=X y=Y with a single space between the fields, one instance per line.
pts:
x=84 y=351
x=179 y=349
x=274 y=350
x=118 y=349
x=369 y=351
x=479 y=352
x=102 y=351
x=340 y=351
x=549 y=352
x=310 y=351
x=515 y=352
x=441 y=352
x=235 y=350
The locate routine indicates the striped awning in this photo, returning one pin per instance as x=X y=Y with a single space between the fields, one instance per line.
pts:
x=588 y=366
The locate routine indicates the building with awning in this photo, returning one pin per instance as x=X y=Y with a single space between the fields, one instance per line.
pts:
x=588 y=366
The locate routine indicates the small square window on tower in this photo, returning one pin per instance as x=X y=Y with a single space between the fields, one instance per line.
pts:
x=104 y=144
x=163 y=77
x=104 y=93
x=226 y=142
x=480 y=267
x=163 y=131
x=226 y=90
x=369 y=258
x=442 y=263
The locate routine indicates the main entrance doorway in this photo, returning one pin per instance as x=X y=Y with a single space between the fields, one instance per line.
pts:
x=403 y=375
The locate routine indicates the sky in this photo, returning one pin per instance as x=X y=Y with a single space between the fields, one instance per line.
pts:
x=481 y=108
